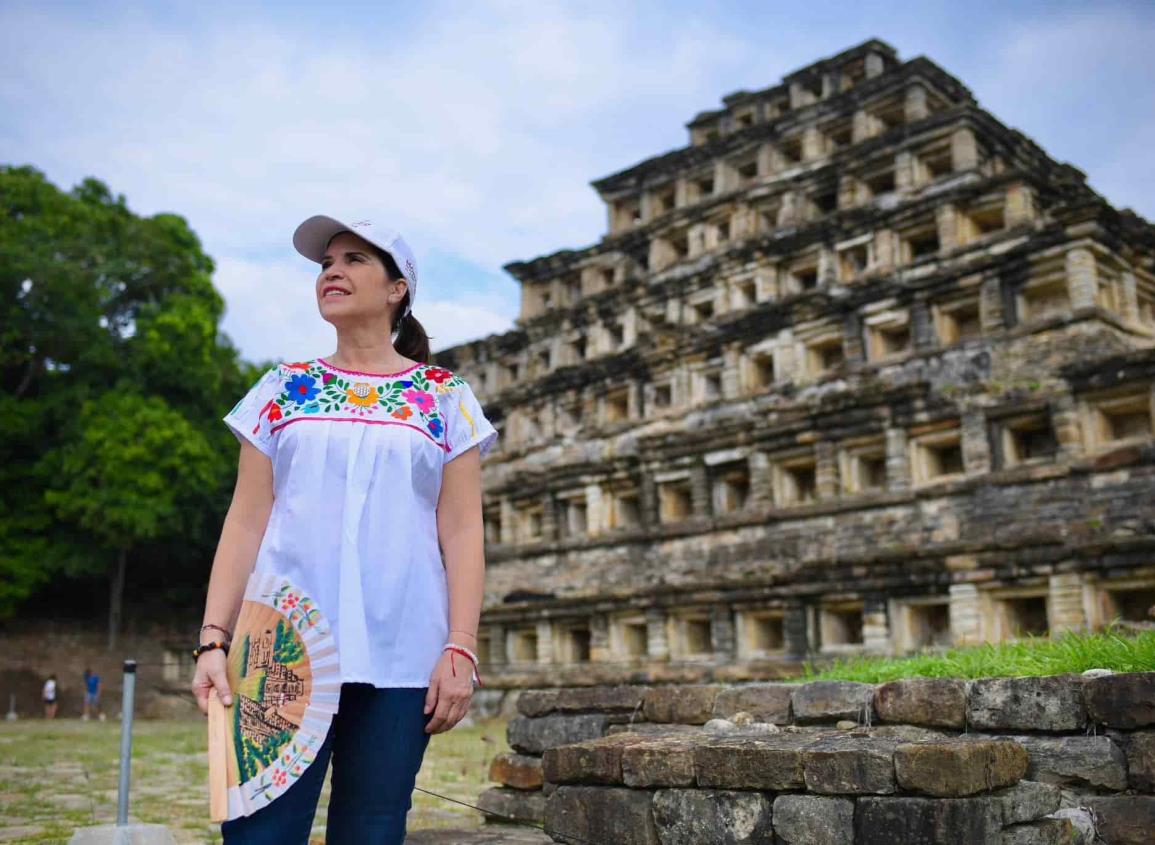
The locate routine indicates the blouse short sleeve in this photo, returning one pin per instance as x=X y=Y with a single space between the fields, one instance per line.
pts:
x=465 y=422
x=252 y=418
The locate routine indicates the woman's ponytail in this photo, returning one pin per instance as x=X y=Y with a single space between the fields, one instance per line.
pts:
x=411 y=340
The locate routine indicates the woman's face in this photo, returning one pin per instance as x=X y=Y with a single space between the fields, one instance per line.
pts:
x=353 y=284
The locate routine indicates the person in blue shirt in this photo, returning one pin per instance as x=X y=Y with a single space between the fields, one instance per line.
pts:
x=92 y=696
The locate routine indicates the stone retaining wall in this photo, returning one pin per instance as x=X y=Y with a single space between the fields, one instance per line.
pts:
x=1013 y=761
x=34 y=650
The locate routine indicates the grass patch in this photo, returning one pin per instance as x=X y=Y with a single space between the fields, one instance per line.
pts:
x=1068 y=652
x=56 y=776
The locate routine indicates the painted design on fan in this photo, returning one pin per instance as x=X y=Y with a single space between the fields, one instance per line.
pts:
x=272 y=665
x=298 y=609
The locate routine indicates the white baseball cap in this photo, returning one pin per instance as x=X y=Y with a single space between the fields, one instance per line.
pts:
x=313 y=236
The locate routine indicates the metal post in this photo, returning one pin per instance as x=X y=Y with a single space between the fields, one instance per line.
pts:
x=126 y=741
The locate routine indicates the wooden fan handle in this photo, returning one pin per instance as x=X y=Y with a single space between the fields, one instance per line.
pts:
x=218 y=759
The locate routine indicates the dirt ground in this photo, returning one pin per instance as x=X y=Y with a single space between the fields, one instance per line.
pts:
x=56 y=776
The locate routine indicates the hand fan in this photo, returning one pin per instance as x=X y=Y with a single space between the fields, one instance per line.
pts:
x=284 y=675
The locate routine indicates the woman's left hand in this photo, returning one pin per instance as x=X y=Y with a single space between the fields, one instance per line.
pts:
x=450 y=691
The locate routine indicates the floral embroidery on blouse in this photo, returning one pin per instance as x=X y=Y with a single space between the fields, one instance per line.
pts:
x=310 y=388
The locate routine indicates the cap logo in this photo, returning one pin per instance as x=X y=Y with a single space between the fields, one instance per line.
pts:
x=410 y=270
x=361 y=223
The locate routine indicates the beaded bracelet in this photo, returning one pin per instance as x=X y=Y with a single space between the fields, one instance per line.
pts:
x=459 y=649
x=464 y=650
x=203 y=647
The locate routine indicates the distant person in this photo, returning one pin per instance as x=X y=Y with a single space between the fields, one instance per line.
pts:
x=49 y=697
x=91 y=696
x=356 y=471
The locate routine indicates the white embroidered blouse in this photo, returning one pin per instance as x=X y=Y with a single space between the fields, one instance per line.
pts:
x=357 y=467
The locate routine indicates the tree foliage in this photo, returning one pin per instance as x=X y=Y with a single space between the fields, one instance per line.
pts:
x=132 y=464
x=113 y=377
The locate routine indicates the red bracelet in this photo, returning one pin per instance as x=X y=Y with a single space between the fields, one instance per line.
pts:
x=454 y=649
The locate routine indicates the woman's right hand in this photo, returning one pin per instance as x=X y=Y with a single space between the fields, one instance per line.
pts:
x=211 y=672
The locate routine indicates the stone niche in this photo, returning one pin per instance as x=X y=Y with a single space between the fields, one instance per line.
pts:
x=861 y=370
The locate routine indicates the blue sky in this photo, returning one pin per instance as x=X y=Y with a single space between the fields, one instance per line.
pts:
x=475 y=128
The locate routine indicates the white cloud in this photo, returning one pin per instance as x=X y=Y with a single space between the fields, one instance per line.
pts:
x=478 y=131
x=477 y=135
x=462 y=132
x=451 y=323
x=271 y=313
x=1078 y=82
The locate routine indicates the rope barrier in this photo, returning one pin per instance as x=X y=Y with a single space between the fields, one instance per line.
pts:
x=566 y=837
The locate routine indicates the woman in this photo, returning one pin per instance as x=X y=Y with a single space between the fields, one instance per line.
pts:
x=48 y=694
x=357 y=473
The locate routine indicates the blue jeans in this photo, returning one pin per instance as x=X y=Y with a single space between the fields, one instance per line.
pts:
x=376 y=741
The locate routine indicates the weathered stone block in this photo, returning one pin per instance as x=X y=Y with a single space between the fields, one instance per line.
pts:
x=1059 y=831
x=1026 y=801
x=535 y=735
x=1123 y=819
x=957 y=768
x=1092 y=761
x=885 y=821
x=719 y=726
x=909 y=733
x=693 y=816
x=773 y=763
x=830 y=701
x=765 y=702
x=1052 y=703
x=513 y=804
x=690 y=704
x=667 y=761
x=1141 y=761
x=520 y=771
x=1082 y=820
x=651 y=729
x=601 y=814
x=621 y=697
x=1125 y=701
x=814 y=820
x=537 y=702
x=850 y=766
x=931 y=702
x=593 y=761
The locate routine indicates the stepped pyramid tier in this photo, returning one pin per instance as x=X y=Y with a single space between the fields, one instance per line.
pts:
x=860 y=369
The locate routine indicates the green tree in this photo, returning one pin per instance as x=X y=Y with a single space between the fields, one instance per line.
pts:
x=103 y=311
x=126 y=477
